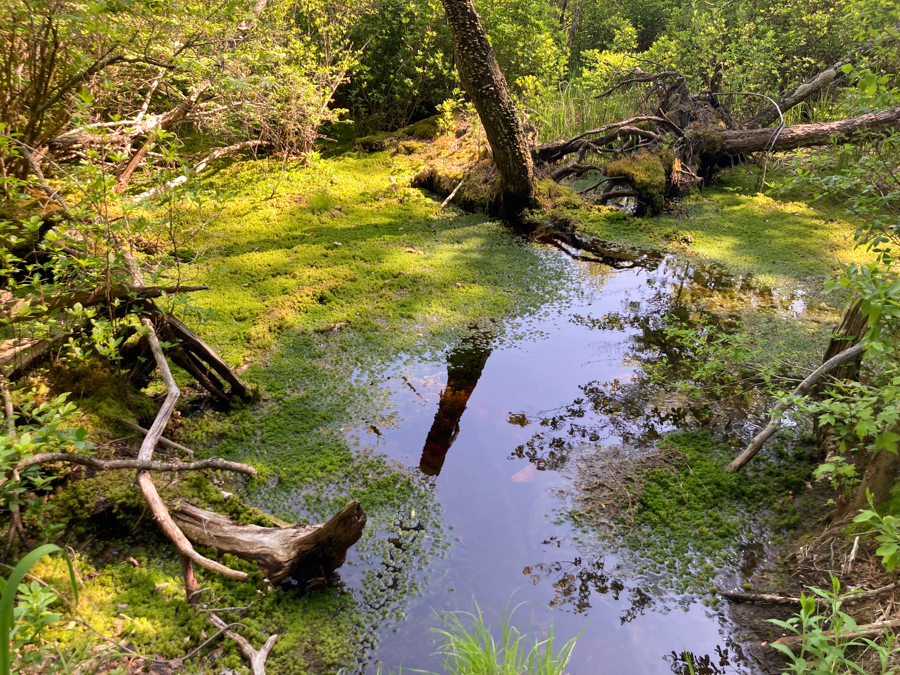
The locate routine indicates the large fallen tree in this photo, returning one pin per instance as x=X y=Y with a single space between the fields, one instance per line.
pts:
x=674 y=147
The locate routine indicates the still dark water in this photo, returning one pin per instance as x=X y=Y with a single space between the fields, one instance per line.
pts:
x=493 y=425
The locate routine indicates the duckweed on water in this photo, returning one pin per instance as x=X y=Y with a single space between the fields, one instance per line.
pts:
x=682 y=518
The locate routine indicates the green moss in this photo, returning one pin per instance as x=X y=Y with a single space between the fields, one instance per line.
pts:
x=424 y=130
x=692 y=515
x=646 y=174
x=375 y=142
x=781 y=243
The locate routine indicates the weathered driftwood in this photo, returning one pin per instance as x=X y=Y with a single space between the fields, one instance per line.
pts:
x=802 y=389
x=777 y=599
x=197 y=357
x=300 y=551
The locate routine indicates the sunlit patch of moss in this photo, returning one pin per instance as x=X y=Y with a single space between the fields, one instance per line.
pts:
x=780 y=243
x=646 y=174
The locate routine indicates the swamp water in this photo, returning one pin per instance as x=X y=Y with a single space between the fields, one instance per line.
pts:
x=496 y=427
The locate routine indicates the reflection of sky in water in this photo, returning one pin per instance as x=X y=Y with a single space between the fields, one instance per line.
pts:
x=489 y=421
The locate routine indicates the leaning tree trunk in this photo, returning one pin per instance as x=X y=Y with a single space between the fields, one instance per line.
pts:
x=849 y=331
x=484 y=83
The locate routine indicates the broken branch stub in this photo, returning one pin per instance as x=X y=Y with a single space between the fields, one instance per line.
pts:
x=301 y=551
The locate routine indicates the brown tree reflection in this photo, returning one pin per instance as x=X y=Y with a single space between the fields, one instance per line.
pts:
x=465 y=364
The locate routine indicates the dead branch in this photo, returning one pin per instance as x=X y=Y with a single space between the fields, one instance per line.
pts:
x=746 y=141
x=142 y=465
x=27 y=309
x=552 y=152
x=802 y=388
x=450 y=196
x=818 y=82
x=18 y=354
x=776 y=599
x=643 y=78
x=162 y=440
x=256 y=658
x=574 y=169
x=145 y=483
x=868 y=630
x=198 y=168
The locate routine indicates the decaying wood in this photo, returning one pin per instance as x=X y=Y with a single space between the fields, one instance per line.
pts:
x=868 y=630
x=747 y=141
x=300 y=551
x=175 y=331
x=802 y=388
x=256 y=658
x=201 y=166
x=143 y=479
x=18 y=355
x=27 y=309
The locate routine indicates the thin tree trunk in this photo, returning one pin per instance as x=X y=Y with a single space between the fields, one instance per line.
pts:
x=484 y=83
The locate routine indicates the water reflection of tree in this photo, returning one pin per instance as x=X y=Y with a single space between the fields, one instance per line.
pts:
x=689 y=663
x=465 y=364
x=576 y=584
x=641 y=410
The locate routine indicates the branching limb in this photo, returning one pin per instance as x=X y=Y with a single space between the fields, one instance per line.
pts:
x=256 y=658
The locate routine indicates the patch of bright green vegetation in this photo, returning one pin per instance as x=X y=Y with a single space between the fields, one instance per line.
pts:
x=381 y=257
x=144 y=606
x=779 y=243
x=645 y=172
x=342 y=272
x=690 y=516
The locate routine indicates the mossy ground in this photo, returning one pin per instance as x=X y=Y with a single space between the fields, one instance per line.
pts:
x=320 y=273
x=343 y=268
x=681 y=519
x=782 y=243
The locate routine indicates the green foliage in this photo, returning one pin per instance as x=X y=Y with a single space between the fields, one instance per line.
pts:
x=42 y=427
x=681 y=517
x=888 y=533
x=524 y=36
x=828 y=644
x=24 y=624
x=473 y=650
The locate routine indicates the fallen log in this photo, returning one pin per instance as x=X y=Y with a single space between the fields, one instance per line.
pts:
x=300 y=551
x=776 y=599
x=17 y=355
x=142 y=465
x=27 y=309
x=175 y=331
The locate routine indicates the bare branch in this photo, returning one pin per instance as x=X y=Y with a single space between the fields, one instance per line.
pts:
x=143 y=465
x=802 y=388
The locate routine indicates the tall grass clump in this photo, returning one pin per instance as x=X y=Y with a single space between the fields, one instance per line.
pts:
x=573 y=107
x=469 y=647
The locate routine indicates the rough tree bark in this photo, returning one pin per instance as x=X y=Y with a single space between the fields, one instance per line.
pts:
x=484 y=83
